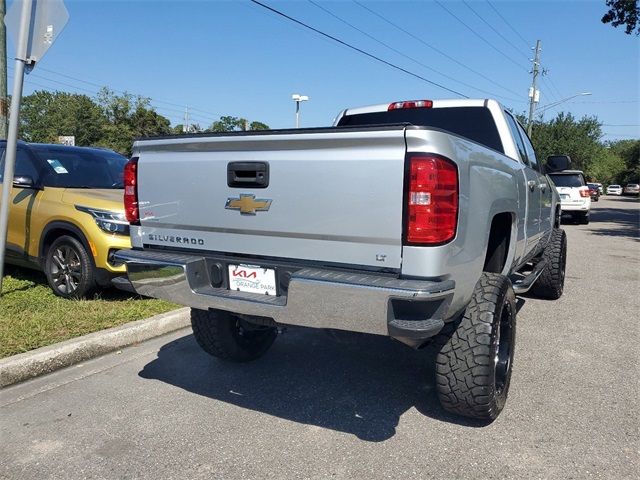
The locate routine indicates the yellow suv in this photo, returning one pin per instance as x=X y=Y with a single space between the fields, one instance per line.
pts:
x=67 y=215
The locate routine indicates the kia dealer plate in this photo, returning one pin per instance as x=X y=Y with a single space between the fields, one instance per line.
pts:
x=252 y=279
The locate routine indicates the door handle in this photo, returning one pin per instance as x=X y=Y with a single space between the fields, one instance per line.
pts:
x=543 y=187
x=532 y=185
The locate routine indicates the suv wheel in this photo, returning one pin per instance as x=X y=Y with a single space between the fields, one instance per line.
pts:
x=583 y=218
x=69 y=268
x=474 y=364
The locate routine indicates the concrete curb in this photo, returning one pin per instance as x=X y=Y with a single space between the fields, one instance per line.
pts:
x=24 y=366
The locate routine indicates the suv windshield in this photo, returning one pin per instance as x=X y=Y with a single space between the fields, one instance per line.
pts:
x=81 y=168
x=567 y=180
x=474 y=123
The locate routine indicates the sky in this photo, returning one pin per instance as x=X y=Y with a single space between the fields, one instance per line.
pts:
x=238 y=58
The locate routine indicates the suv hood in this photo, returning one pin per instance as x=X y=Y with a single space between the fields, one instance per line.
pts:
x=101 y=199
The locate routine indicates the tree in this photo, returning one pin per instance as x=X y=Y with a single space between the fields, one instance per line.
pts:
x=607 y=168
x=580 y=139
x=623 y=12
x=629 y=153
x=235 y=124
x=46 y=115
x=128 y=117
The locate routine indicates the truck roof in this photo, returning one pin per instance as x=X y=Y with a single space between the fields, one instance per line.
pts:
x=444 y=103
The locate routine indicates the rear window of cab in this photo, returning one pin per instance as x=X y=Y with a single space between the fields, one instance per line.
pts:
x=474 y=123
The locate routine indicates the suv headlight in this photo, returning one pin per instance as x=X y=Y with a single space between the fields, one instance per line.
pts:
x=110 y=222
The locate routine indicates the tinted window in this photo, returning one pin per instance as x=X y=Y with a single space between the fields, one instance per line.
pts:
x=81 y=168
x=513 y=126
x=567 y=180
x=531 y=154
x=24 y=165
x=474 y=123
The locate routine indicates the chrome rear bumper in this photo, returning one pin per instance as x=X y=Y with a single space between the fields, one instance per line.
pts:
x=410 y=310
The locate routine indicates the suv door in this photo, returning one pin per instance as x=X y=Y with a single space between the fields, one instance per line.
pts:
x=531 y=180
x=23 y=203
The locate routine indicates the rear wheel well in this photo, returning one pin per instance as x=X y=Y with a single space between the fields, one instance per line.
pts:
x=499 y=241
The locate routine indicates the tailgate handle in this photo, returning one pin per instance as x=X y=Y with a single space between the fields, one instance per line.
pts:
x=248 y=174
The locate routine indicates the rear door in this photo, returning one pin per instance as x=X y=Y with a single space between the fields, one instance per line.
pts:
x=533 y=192
x=542 y=184
x=332 y=196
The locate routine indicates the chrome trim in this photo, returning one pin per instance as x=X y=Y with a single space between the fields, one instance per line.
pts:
x=316 y=297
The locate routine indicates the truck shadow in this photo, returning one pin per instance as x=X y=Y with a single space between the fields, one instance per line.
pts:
x=355 y=383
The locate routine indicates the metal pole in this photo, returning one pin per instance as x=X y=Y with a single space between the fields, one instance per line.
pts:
x=3 y=71
x=532 y=103
x=12 y=138
x=297 y=113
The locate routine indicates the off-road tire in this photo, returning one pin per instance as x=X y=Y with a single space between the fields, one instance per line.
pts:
x=228 y=337
x=474 y=364
x=582 y=218
x=69 y=268
x=550 y=285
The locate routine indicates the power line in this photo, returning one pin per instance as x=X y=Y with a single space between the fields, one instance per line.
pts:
x=620 y=125
x=555 y=87
x=403 y=54
x=496 y=31
x=611 y=101
x=508 y=24
x=481 y=37
x=551 y=95
x=359 y=50
x=621 y=135
x=199 y=118
x=87 y=82
x=373 y=12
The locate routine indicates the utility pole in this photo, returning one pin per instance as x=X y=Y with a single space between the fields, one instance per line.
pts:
x=185 y=127
x=3 y=72
x=534 y=96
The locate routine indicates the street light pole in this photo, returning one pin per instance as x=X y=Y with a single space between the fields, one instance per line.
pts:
x=298 y=98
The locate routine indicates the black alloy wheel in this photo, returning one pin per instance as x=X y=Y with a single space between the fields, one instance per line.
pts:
x=69 y=268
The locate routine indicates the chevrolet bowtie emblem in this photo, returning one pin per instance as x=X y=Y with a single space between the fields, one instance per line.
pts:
x=248 y=204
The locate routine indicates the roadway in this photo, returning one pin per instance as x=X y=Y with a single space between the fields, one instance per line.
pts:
x=356 y=406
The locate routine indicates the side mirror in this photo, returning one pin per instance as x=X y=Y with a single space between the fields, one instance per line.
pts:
x=23 y=181
x=557 y=163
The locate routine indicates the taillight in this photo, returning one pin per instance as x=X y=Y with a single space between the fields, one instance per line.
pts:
x=410 y=104
x=432 y=200
x=131 y=191
x=584 y=192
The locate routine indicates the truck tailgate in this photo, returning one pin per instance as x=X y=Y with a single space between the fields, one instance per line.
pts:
x=333 y=195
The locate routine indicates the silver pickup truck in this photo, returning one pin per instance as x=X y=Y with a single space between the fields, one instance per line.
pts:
x=419 y=220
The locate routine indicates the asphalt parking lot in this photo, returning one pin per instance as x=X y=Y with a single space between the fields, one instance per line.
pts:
x=357 y=406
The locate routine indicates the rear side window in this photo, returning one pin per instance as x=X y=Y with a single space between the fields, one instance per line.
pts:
x=567 y=180
x=513 y=126
x=474 y=123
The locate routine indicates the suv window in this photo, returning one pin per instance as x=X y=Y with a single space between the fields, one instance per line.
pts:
x=567 y=179
x=474 y=123
x=513 y=126
x=24 y=165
